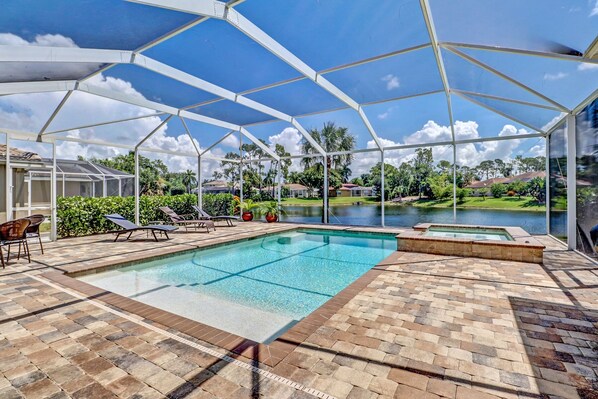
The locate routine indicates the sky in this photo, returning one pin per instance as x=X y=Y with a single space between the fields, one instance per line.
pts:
x=333 y=35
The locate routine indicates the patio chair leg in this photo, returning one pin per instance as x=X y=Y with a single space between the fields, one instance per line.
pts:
x=8 y=256
x=39 y=237
x=129 y=236
x=2 y=258
x=166 y=234
x=117 y=235
x=154 y=234
x=26 y=247
x=19 y=253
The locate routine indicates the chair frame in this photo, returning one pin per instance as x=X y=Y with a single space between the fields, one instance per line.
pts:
x=10 y=242
x=206 y=216
x=187 y=223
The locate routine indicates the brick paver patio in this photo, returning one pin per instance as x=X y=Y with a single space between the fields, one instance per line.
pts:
x=424 y=326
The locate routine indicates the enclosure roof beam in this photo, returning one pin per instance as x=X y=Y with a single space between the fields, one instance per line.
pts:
x=220 y=10
x=545 y=54
x=56 y=110
x=164 y=122
x=217 y=142
x=63 y=54
x=425 y=7
x=481 y=104
x=500 y=138
x=509 y=100
x=36 y=87
x=190 y=136
x=505 y=77
x=263 y=146
x=104 y=123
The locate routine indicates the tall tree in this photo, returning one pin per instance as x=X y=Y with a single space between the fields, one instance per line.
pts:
x=189 y=180
x=332 y=139
x=422 y=167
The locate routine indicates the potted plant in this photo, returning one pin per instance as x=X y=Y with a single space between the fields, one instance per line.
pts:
x=271 y=210
x=247 y=208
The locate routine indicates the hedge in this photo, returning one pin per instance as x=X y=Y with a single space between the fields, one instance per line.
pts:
x=79 y=216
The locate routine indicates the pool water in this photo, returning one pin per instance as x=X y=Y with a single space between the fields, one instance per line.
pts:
x=256 y=288
x=474 y=234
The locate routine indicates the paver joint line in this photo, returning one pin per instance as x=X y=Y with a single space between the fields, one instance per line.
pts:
x=202 y=348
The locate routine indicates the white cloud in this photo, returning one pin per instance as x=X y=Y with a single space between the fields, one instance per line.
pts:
x=594 y=11
x=392 y=82
x=231 y=141
x=19 y=71
x=384 y=115
x=290 y=139
x=555 y=76
x=587 y=67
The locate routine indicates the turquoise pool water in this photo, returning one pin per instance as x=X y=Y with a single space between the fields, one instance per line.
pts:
x=254 y=288
x=471 y=233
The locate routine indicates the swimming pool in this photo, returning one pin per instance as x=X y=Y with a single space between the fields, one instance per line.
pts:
x=257 y=288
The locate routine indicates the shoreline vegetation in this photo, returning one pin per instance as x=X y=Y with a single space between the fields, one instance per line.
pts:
x=503 y=203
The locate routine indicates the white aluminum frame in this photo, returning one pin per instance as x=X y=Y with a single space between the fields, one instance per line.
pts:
x=206 y=9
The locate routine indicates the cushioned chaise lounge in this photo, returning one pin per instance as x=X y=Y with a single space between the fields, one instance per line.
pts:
x=204 y=215
x=130 y=227
x=187 y=223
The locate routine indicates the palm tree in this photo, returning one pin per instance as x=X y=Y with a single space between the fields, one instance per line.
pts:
x=332 y=139
x=189 y=179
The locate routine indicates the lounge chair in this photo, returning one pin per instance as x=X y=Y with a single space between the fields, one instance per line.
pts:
x=204 y=215
x=187 y=223
x=130 y=227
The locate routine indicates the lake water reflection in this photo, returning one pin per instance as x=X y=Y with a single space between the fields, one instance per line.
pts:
x=407 y=216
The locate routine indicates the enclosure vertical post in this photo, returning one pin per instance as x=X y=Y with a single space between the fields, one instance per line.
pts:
x=199 y=194
x=53 y=221
x=454 y=183
x=120 y=190
x=547 y=184
x=325 y=190
x=240 y=171
x=571 y=184
x=29 y=193
x=279 y=178
x=383 y=188
x=8 y=180
x=63 y=191
x=104 y=186
x=136 y=186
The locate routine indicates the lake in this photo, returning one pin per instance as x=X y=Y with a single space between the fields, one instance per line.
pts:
x=408 y=216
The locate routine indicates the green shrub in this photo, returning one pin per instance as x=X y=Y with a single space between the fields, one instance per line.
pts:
x=79 y=216
x=498 y=190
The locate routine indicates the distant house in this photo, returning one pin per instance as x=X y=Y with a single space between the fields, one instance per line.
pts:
x=217 y=187
x=354 y=190
x=476 y=185
x=31 y=177
x=524 y=177
x=297 y=190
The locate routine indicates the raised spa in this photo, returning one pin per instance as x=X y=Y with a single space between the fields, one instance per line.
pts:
x=490 y=242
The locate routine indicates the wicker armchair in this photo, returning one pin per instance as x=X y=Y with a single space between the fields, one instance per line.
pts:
x=33 y=229
x=14 y=232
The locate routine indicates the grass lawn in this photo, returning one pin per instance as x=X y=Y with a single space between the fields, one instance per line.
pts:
x=512 y=203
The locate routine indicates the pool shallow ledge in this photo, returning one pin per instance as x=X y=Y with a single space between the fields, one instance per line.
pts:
x=522 y=248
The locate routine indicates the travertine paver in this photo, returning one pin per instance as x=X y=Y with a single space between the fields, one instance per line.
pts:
x=426 y=326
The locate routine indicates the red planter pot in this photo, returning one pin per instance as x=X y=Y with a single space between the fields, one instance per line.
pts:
x=271 y=218
x=247 y=216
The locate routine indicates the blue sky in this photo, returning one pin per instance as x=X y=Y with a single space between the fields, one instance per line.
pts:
x=324 y=34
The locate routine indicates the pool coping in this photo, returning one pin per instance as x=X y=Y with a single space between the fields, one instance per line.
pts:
x=269 y=354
